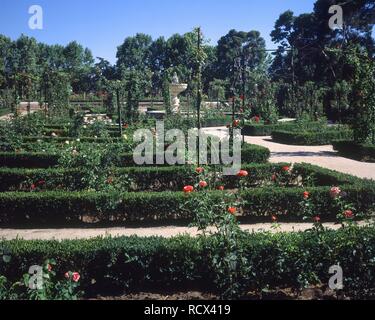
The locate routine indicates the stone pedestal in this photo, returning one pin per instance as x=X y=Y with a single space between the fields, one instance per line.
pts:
x=175 y=89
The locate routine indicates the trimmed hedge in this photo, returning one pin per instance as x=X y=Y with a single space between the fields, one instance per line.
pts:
x=352 y=150
x=49 y=208
x=168 y=178
x=61 y=133
x=216 y=122
x=28 y=160
x=250 y=154
x=284 y=260
x=319 y=176
x=63 y=139
x=310 y=138
x=264 y=130
x=173 y=178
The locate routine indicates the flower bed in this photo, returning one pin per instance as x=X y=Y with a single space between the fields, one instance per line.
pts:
x=310 y=138
x=350 y=149
x=292 y=260
x=271 y=189
x=167 y=178
x=49 y=208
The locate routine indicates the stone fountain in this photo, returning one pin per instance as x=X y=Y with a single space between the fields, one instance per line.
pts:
x=176 y=88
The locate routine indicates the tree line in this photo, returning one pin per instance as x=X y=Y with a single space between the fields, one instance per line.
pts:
x=310 y=66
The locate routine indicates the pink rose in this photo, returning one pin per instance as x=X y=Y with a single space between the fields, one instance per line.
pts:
x=335 y=192
x=76 y=276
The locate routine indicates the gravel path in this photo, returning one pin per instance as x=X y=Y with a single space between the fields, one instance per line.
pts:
x=167 y=232
x=323 y=156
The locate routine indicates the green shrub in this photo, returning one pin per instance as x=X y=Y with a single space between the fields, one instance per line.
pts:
x=49 y=208
x=262 y=129
x=284 y=260
x=28 y=160
x=172 y=178
x=310 y=138
x=353 y=150
x=250 y=154
x=63 y=139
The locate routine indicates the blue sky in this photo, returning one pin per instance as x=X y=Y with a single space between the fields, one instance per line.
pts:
x=102 y=25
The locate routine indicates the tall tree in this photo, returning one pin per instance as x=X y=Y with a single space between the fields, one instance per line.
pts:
x=233 y=46
x=134 y=53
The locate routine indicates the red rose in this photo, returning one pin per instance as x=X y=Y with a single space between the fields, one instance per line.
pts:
x=110 y=180
x=76 y=276
x=236 y=123
x=306 y=195
x=199 y=170
x=33 y=187
x=274 y=218
x=41 y=182
x=67 y=275
x=49 y=267
x=349 y=214
x=203 y=184
x=188 y=189
x=274 y=177
x=242 y=97
x=242 y=173
x=316 y=219
x=232 y=210
x=221 y=188
x=286 y=168
x=257 y=119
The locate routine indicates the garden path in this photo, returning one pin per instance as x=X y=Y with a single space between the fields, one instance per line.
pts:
x=167 y=231
x=323 y=156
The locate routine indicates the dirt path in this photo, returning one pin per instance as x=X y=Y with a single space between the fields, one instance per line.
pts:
x=323 y=156
x=167 y=232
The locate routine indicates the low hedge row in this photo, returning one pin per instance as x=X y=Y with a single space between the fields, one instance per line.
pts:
x=49 y=208
x=264 y=130
x=350 y=149
x=250 y=154
x=111 y=266
x=311 y=138
x=216 y=122
x=173 y=178
x=28 y=160
x=63 y=139
x=65 y=133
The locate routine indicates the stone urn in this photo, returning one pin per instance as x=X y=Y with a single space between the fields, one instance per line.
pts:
x=176 y=88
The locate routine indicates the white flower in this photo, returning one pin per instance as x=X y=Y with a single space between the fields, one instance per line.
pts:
x=67 y=142
x=78 y=140
x=54 y=134
x=125 y=137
